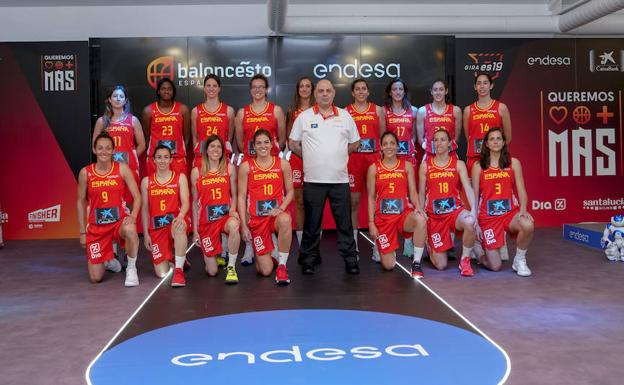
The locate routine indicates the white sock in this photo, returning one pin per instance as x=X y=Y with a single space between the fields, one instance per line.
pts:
x=232 y=259
x=418 y=252
x=283 y=258
x=466 y=251
x=299 y=236
x=131 y=262
x=521 y=253
x=179 y=261
x=355 y=236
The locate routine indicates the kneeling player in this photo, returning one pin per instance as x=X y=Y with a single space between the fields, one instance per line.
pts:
x=494 y=178
x=440 y=179
x=101 y=188
x=165 y=204
x=214 y=208
x=261 y=182
x=389 y=182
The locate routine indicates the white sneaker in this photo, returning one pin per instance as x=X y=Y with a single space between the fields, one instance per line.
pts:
x=248 y=256
x=376 y=257
x=408 y=248
x=132 y=278
x=520 y=267
x=113 y=265
x=504 y=253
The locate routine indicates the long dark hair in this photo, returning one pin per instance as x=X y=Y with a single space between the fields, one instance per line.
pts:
x=388 y=95
x=484 y=156
x=108 y=113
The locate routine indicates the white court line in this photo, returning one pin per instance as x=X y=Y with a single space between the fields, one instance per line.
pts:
x=88 y=371
x=420 y=282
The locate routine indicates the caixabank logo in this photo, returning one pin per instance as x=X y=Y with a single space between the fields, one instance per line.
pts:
x=305 y=347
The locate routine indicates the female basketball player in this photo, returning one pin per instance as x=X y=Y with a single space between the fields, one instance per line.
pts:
x=435 y=115
x=390 y=181
x=165 y=198
x=371 y=123
x=101 y=188
x=266 y=183
x=214 y=207
x=440 y=179
x=502 y=198
x=302 y=100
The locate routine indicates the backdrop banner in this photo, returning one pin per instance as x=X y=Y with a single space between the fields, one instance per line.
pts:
x=46 y=133
x=565 y=100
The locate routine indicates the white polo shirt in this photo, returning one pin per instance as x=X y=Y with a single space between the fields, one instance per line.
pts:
x=325 y=144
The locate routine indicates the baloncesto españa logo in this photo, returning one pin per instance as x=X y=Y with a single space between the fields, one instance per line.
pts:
x=160 y=68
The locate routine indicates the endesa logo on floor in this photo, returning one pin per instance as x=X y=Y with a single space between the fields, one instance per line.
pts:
x=304 y=347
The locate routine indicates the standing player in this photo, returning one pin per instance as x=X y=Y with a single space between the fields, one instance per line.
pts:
x=260 y=114
x=125 y=129
x=101 y=188
x=390 y=181
x=441 y=178
x=438 y=115
x=262 y=181
x=370 y=122
x=302 y=100
x=166 y=122
x=478 y=118
x=494 y=178
x=212 y=117
x=214 y=207
x=165 y=200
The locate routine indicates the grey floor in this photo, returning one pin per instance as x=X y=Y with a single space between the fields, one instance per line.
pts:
x=564 y=325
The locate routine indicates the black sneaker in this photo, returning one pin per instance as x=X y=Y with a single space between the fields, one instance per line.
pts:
x=417 y=270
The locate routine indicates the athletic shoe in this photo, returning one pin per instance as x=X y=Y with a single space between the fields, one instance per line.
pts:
x=417 y=270
x=376 y=257
x=281 y=275
x=408 y=248
x=504 y=253
x=248 y=256
x=231 y=278
x=113 y=265
x=220 y=261
x=132 y=278
x=519 y=265
x=465 y=268
x=178 y=279
x=187 y=265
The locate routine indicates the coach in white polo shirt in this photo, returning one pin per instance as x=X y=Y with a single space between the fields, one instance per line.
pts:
x=324 y=136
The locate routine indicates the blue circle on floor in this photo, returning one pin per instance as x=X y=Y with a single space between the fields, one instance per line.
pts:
x=304 y=347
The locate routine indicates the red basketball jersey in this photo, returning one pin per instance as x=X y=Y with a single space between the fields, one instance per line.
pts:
x=402 y=125
x=392 y=187
x=163 y=200
x=209 y=123
x=443 y=187
x=367 y=123
x=122 y=133
x=496 y=192
x=167 y=129
x=105 y=196
x=252 y=122
x=479 y=123
x=435 y=122
x=265 y=187
x=213 y=191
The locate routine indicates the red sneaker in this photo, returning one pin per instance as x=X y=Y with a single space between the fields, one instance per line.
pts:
x=281 y=276
x=178 y=279
x=465 y=268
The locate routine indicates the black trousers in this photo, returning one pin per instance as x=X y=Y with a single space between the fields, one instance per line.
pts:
x=314 y=197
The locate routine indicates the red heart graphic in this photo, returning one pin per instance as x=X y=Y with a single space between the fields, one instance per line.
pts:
x=48 y=65
x=558 y=114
